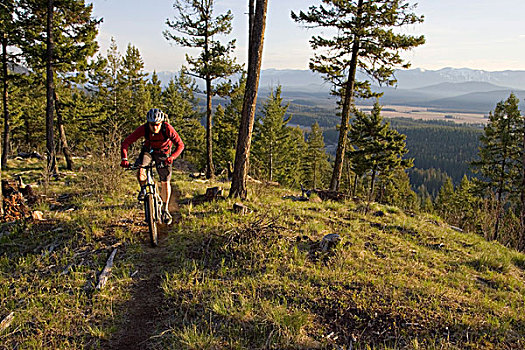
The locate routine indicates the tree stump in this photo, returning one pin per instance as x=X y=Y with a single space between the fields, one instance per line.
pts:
x=213 y=193
x=240 y=208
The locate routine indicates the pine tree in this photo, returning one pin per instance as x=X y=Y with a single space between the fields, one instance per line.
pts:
x=291 y=173
x=226 y=124
x=367 y=39
x=197 y=28
x=315 y=161
x=27 y=114
x=270 y=133
x=60 y=36
x=106 y=93
x=9 y=34
x=500 y=157
x=180 y=103
x=134 y=100
x=155 y=90
x=377 y=147
x=396 y=190
x=445 y=198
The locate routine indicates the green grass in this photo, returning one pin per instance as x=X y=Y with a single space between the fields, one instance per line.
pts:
x=259 y=281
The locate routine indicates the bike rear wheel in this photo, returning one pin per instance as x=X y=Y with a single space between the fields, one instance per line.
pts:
x=149 y=209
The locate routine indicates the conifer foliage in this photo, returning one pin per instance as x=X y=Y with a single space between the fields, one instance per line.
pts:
x=500 y=156
x=377 y=148
x=197 y=27
x=226 y=123
x=60 y=36
x=315 y=160
x=367 y=39
x=271 y=134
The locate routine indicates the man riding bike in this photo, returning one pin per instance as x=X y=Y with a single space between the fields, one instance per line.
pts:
x=159 y=137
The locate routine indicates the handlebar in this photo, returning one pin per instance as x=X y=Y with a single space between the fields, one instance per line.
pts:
x=151 y=166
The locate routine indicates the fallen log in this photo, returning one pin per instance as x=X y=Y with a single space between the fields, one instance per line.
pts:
x=331 y=195
x=6 y=322
x=104 y=275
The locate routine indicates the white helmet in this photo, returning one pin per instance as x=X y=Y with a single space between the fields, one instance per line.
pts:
x=155 y=115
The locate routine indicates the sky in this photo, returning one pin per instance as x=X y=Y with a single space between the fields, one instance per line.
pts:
x=477 y=34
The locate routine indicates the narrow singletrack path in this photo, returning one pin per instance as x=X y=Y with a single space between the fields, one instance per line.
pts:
x=142 y=313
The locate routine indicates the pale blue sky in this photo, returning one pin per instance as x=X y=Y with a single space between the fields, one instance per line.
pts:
x=477 y=34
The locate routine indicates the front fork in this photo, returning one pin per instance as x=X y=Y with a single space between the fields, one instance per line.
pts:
x=151 y=189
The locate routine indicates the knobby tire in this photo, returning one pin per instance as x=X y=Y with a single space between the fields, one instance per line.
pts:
x=149 y=209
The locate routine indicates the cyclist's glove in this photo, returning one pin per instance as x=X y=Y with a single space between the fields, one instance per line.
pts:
x=124 y=163
x=169 y=160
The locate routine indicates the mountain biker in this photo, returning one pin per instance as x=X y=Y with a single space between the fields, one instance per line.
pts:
x=159 y=136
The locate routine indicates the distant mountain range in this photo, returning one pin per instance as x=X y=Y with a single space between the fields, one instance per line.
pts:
x=447 y=89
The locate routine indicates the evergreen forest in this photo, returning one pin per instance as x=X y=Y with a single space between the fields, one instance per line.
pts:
x=342 y=229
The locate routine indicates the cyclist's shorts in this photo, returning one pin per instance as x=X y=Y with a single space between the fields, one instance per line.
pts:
x=145 y=158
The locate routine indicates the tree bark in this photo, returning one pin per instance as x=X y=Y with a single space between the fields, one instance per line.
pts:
x=372 y=182
x=50 y=88
x=62 y=134
x=521 y=238
x=345 y=115
x=251 y=14
x=210 y=169
x=242 y=153
x=315 y=174
x=270 y=163
x=6 y=111
x=5 y=143
x=348 y=176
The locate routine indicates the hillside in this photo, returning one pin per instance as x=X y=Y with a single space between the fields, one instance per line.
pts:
x=220 y=280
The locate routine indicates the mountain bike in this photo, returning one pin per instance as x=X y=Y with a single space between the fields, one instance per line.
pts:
x=152 y=203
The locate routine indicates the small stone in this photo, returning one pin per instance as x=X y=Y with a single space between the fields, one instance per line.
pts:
x=37 y=215
x=330 y=241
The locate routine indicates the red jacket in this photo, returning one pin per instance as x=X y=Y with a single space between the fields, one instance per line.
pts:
x=158 y=142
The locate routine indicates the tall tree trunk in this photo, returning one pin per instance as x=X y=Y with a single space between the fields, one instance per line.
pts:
x=50 y=88
x=210 y=169
x=251 y=15
x=521 y=238
x=244 y=139
x=345 y=116
x=499 y=198
x=6 y=111
x=354 y=190
x=315 y=173
x=62 y=134
x=27 y=131
x=372 y=182
x=270 y=163
x=6 y=143
x=348 y=176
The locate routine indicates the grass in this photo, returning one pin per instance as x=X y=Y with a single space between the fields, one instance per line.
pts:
x=259 y=281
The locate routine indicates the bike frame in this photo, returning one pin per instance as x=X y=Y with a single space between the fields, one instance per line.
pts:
x=152 y=202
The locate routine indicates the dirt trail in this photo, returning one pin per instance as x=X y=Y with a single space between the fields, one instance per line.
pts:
x=142 y=313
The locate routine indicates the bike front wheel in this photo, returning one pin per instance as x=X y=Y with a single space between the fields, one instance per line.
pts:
x=149 y=209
